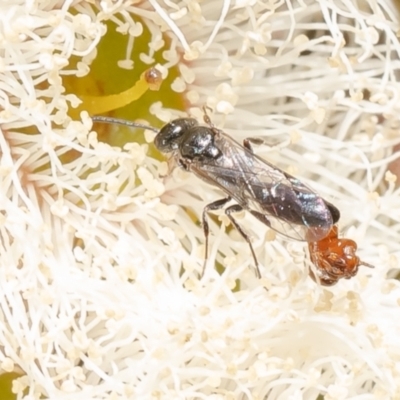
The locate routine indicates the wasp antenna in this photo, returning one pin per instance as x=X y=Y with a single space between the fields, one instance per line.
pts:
x=366 y=264
x=205 y=108
x=119 y=121
x=206 y=117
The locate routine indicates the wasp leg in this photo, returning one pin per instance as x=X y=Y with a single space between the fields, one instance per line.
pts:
x=261 y=217
x=247 y=143
x=181 y=163
x=206 y=117
x=215 y=205
x=237 y=208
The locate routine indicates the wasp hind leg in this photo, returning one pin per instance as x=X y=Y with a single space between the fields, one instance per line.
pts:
x=261 y=217
x=234 y=209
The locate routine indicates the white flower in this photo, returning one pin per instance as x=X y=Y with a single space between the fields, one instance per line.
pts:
x=100 y=256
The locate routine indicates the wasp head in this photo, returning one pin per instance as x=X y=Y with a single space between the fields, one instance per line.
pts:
x=170 y=136
x=189 y=140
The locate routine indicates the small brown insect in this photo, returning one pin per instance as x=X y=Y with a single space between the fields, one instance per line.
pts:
x=334 y=258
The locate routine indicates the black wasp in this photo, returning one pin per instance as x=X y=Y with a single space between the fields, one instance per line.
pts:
x=273 y=196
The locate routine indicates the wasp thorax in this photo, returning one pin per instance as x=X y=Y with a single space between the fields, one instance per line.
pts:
x=170 y=136
x=199 y=143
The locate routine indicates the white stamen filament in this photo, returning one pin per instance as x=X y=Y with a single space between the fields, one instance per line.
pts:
x=100 y=246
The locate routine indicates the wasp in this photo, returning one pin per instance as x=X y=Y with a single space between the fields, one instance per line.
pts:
x=274 y=197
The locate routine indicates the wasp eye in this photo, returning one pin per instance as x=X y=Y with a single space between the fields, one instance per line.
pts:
x=170 y=135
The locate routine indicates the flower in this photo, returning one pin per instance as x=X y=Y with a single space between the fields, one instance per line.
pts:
x=100 y=246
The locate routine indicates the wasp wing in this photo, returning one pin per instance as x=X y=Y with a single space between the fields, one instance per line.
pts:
x=291 y=208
